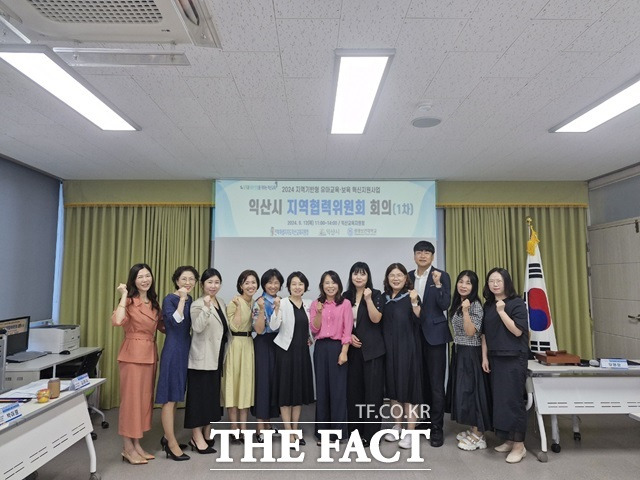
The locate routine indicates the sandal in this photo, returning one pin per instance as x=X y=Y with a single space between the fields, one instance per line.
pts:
x=462 y=435
x=472 y=442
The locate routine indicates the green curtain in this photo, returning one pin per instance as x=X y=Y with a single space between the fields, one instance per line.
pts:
x=101 y=244
x=480 y=238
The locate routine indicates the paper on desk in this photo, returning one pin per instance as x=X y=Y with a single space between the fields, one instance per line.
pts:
x=31 y=390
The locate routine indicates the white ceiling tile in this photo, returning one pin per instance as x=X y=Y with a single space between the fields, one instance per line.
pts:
x=506 y=9
x=441 y=9
x=417 y=35
x=460 y=73
x=307 y=34
x=586 y=9
x=205 y=62
x=308 y=63
x=549 y=35
x=308 y=96
x=218 y=96
x=521 y=64
x=183 y=111
x=254 y=64
x=490 y=34
x=371 y=23
x=307 y=9
x=234 y=126
x=244 y=148
x=611 y=34
x=245 y=25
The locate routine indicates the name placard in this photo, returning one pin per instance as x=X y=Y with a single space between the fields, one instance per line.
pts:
x=80 y=382
x=10 y=412
x=617 y=363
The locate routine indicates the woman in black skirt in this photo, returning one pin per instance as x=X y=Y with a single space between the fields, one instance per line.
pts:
x=293 y=385
x=505 y=352
x=468 y=384
x=206 y=357
x=365 y=377
x=265 y=351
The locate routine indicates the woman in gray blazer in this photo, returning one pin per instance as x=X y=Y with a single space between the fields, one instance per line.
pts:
x=208 y=345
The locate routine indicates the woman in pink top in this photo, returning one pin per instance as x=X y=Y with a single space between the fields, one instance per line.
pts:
x=331 y=324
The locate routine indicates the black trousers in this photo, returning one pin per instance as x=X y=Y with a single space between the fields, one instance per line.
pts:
x=365 y=393
x=331 y=387
x=434 y=367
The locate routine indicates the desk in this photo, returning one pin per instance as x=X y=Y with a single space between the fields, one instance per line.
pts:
x=575 y=390
x=44 y=431
x=18 y=374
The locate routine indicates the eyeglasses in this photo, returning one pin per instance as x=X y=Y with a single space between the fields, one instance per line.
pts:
x=187 y=280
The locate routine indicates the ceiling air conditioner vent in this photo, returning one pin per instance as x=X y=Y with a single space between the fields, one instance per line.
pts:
x=115 y=21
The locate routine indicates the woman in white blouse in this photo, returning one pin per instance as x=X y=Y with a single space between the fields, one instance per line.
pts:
x=293 y=376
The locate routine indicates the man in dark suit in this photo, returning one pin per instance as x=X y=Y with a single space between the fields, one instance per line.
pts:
x=434 y=288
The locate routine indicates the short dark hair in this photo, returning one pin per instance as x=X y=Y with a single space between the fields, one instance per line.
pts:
x=268 y=275
x=243 y=276
x=208 y=273
x=424 y=246
x=336 y=279
x=408 y=284
x=300 y=276
x=180 y=270
x=509 y=289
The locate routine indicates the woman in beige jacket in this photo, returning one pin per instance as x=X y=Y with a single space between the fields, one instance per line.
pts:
x=210 y=335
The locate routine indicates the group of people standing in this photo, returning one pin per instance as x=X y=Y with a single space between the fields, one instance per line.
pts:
x=253 y=355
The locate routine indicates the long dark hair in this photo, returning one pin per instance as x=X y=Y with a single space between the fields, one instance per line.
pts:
x=132 y=290
x=358 y=267
x=408 y=284
x=509 y=289
x=472 y=297
x=336 y=279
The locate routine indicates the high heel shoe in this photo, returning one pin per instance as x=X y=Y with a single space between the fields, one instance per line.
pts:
x=173 y=456
x=164 y=442
x=210 y=441
x=132 y=461
x=209 y=449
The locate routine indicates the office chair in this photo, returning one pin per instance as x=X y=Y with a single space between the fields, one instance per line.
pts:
x=89 y=365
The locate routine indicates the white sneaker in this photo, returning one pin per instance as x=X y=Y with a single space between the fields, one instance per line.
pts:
x=472 y=442
x=462 y=435
x=405 y=442
x=389 y=437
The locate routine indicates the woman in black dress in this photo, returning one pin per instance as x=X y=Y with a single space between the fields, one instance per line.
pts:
x=293 y=373
x=265 y=351
x=505 y=351
x=365 y=377
x=401 y=332
x=468 y=384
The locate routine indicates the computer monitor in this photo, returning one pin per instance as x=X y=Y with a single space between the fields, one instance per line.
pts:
x=17 y=334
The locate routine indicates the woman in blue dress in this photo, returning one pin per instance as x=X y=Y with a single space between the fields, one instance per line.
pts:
x=172 y=381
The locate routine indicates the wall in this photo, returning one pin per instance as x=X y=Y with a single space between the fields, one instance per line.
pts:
x=28 y=221
x=614 y=244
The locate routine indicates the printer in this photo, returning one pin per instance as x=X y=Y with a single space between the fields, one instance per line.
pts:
x=54 y=338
